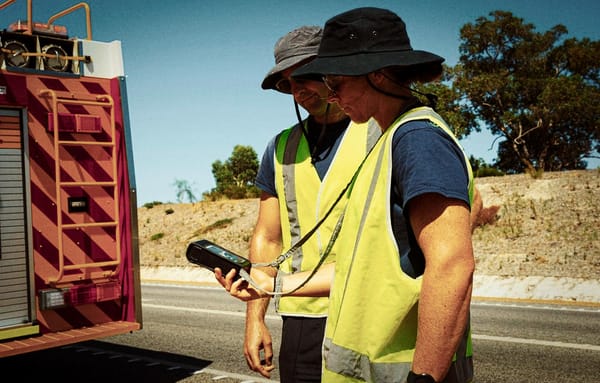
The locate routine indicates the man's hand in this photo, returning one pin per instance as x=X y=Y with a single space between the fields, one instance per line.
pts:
x=258 y=341
x=258 y=338
x=241 y=289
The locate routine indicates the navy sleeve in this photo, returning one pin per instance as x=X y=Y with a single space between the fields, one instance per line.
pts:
x=427 y=160
x=265 y=177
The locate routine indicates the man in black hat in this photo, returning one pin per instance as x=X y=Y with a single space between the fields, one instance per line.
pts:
x=365 y=54
x=303 y=170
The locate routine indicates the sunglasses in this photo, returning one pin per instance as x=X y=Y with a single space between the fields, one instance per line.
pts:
x=332 y=83
x=284 y=85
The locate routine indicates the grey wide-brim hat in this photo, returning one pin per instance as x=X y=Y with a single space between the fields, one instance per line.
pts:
x=293 y=48
x=364 y=40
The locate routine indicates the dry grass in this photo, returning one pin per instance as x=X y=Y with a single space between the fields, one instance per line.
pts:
x=544 y=227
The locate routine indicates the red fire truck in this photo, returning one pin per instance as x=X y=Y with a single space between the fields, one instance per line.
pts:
x=69 y=256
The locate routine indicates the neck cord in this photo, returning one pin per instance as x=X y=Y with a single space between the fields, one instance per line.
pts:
x=431 y=98
x=279 y=260
x=245 y=275
x=300 y=122
x=313 y=151
x=304 y=126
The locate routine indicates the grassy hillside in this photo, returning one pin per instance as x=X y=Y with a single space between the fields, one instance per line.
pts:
x=544 y=227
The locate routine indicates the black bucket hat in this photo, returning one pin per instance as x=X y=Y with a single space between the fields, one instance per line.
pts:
x=364 y=40
x=293 y=48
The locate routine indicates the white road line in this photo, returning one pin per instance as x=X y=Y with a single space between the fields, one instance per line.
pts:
x=507 y=339
x=225 y=374
x=538 y=307
x=537 y=342
x=206 y=311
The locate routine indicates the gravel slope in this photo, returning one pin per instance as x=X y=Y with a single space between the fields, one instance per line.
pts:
x=544 y=244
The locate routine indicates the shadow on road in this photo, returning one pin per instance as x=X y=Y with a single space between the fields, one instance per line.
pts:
x=96 y=361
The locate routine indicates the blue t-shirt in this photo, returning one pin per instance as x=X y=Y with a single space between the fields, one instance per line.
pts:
x=427 y=160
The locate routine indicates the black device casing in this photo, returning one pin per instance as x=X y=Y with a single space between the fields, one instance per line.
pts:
x=210 y=255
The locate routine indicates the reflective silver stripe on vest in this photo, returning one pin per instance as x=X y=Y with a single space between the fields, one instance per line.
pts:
x=373 y=134
x=346 y=362
x=289 y=182
x=350 y=363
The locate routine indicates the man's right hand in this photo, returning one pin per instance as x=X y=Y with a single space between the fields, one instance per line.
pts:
x=258 y=347
x=241 y=289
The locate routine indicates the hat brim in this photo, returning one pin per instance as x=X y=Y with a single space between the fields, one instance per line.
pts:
x=363 y=63
x=274 y=74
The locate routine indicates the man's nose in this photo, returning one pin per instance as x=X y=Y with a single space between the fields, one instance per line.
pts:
x=300 y=90
x=332 y=96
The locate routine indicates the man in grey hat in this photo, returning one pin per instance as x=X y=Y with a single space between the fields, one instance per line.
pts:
x=296 y=176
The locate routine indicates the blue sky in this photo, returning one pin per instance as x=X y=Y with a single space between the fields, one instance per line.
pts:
x=194 y=68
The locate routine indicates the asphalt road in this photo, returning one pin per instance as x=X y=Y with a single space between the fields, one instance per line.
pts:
x=194 y=334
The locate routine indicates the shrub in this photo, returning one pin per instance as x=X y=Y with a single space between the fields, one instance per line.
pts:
x=488 y=171
x=220 y=223
x=150 y=205
x=157 y=236
x=487 y=216
x=215 y=225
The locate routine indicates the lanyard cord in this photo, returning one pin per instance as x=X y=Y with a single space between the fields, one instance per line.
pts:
x=279 y=260
x=245 y=275
x=313 y=147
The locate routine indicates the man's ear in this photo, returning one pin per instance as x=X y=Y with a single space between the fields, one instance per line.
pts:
x=377 y=77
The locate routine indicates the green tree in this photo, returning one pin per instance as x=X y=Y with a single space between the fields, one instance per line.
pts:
x=234 y=178
x=482 y=169
x=451 y=104
x=538 y=91
x=184 y=191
